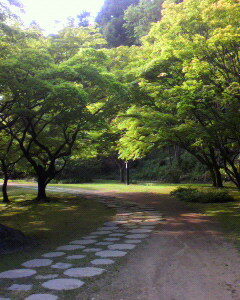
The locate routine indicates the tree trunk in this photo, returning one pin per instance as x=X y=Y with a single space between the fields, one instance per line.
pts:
x=213 y=177
x=4 y=189
x=42 y=190
x=218 y=176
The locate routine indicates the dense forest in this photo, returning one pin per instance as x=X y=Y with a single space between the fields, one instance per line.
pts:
x=153 y=85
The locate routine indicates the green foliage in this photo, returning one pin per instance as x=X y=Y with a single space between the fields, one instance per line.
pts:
x=79 y=170
x=139 y=18
x=110 y=20
x=191 y=67
x=70 y=40
x=194 y=195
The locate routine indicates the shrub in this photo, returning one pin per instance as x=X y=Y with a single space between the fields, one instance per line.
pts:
x=194 y=195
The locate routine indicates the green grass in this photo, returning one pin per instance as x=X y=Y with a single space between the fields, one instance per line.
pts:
x=143 y=187
x=52 y=224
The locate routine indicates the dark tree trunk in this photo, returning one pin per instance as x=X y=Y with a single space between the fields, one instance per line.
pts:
x=4 y=189
x=215 y=167
x=213 y=177
x=218 y=176
x=42 y=190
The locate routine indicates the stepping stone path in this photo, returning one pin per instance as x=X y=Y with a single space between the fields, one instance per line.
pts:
x=77 y=256
x=84 y=272
x=63 y=284
x=121 y=247
x=102 y=261
x=58 y=271
x=84 y=242
x=53 y=254
x=45 y=277
x=60 y=265
x=18 y=273
x=41 y=297
x=20 y=287
x=70 y=247
x=36 y=263
x=111 y=253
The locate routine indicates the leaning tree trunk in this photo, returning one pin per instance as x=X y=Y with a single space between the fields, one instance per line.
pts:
x=4 y=189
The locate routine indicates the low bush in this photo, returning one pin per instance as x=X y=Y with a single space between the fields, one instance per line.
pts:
x=194 y=195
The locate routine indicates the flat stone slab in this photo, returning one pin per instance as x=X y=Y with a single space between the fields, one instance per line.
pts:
x=103 y=243
x=20 y=287
x=61 y=265
x=136 y=236
x=36 y=263
x=63 y=284
x=116 y=234
x=77 y=256
x=111 y=239
x=90 y=237
x=47 y=276
x=121 y=247
x=92 y=250
x=102 y=261
x=83 y=242
x=135 y=241
x=110 y=224
x=102 y=232
x=84 y=272
x=140 y=230
x=107 y=228
x=111 y=253
x=41 y=297
x=53 y=254
x=17 y=273
x=70 y=247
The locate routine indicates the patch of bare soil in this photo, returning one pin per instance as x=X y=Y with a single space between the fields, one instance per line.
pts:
x=187 y=258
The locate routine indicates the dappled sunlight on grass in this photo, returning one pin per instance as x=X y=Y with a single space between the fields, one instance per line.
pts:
x=51 y=224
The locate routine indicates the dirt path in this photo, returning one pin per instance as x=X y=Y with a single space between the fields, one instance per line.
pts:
x=186 y=259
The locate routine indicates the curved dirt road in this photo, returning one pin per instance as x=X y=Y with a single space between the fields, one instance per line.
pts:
x=187 y=258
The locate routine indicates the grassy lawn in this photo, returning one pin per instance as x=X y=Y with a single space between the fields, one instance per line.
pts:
x=52 y=224
x=144 y=187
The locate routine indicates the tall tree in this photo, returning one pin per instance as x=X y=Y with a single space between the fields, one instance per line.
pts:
x=192 y=77
x=55 y=104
